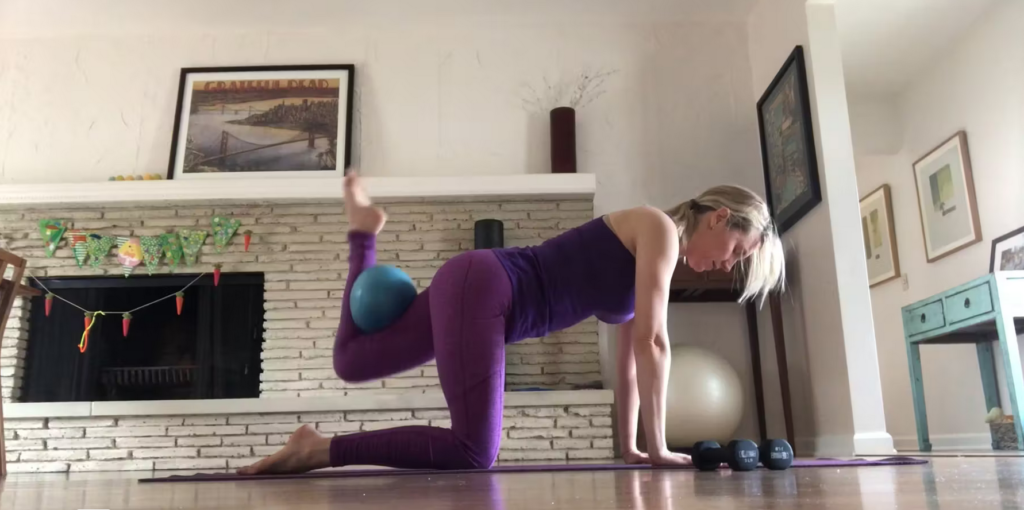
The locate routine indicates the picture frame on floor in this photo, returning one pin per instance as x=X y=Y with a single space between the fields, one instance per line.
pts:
x=788 y=154
x=945 y=198
x=263 y=121
x=1007 y=252
x=879 y=230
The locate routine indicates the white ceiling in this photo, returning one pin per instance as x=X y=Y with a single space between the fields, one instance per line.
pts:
x=887 y=42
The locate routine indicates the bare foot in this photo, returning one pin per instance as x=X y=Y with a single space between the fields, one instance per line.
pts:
x=362 y=215
x=306 y=450
x=634 y=457
x=671 y=459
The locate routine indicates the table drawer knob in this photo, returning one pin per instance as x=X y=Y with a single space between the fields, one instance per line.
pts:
x=922 y=318
x=967 y=302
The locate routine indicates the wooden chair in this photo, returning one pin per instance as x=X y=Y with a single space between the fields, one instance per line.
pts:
x=9 y=290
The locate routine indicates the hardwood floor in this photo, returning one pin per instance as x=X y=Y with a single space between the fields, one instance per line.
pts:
x=945 y=483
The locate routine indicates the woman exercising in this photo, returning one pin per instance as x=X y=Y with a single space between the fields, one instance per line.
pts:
x=616 y=268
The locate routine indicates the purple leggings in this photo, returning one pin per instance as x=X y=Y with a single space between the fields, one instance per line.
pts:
x=460 y=321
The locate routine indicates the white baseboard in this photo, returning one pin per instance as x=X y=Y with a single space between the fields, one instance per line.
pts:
x=877 y=443
x=946 y=442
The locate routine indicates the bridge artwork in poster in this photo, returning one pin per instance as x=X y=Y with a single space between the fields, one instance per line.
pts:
x=268 y=121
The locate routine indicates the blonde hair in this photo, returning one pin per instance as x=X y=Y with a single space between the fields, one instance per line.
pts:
x=765 y=269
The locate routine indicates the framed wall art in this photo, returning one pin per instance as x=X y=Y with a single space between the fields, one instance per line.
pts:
x=945 y=198
x=264 y=121
x=880 y=250
x=1007 y=252
x=787 y=144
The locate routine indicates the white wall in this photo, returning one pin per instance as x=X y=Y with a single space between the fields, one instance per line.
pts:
x=977 y=85
x=88 y=91
x=810 y=310
x=440 y=94
x=833 y=375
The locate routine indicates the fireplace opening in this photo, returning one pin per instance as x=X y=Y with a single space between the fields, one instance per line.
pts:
x=211 y=350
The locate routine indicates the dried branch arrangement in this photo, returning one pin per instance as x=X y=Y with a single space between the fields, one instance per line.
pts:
x=577 y=92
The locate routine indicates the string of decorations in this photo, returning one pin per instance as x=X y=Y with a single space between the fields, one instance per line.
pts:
x=133 y=251
x=126 y=317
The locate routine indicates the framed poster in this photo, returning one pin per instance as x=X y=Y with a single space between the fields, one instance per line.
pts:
x=945 y=197
x=265 y=121
x=787 y=144
x=1007 y=252
x=876 y=221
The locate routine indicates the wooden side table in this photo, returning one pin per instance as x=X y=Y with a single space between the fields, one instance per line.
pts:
x=984 y=310
x=689 y=286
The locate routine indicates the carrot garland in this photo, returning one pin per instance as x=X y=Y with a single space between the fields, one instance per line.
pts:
x=91 y=318
x=89 y=321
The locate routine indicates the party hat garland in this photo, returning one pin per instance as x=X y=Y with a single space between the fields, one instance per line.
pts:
x=78 y=241
x=52 y=231
x=191 y=242
x=129 y=254
x=172 y=249
x=133 y=251
x=223 y=230
x=152 y=250
x=98 y=247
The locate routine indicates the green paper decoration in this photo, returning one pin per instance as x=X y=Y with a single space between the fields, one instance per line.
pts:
x=223 y=230
x=79 y=245
x=191 y=242
x=129 y=254
x=172 y=249
x=98 y=247
x=52 y=231
x=152 y=250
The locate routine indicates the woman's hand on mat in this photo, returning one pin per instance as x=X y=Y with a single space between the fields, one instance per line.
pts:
x=635 y=457
x=362 y=215
x=671 y=459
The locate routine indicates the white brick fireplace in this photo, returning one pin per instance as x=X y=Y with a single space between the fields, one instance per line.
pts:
x=299 y=245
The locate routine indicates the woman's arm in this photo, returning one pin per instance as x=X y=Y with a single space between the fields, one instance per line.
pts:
x=657 y=253
x=628 y=402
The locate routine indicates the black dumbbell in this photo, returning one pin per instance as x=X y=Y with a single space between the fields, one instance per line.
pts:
x=740 y=455
x=776 y=454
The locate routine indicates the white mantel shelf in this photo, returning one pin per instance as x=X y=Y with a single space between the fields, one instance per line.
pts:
x=289 y=405
x=261 y=190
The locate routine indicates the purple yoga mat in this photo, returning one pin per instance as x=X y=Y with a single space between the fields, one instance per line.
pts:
x=513 y=468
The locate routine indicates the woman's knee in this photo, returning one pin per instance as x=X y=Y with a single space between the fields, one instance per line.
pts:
x=487 y=462
x=348 y=369
x=471 y=461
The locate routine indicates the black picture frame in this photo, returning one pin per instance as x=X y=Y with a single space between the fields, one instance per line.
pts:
x=995 y=245
x=802 y=158
x=340 y=141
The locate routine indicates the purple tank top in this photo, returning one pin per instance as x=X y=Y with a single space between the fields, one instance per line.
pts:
x=584 y=272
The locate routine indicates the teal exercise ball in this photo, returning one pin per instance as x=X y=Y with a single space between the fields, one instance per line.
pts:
x=380 y=295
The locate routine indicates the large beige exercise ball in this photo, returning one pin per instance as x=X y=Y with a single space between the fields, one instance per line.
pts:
x=705 y=398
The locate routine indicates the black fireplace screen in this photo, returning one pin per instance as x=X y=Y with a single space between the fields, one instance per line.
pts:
x=211 y=350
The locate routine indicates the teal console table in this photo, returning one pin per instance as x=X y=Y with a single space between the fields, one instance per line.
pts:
x=985 y=310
